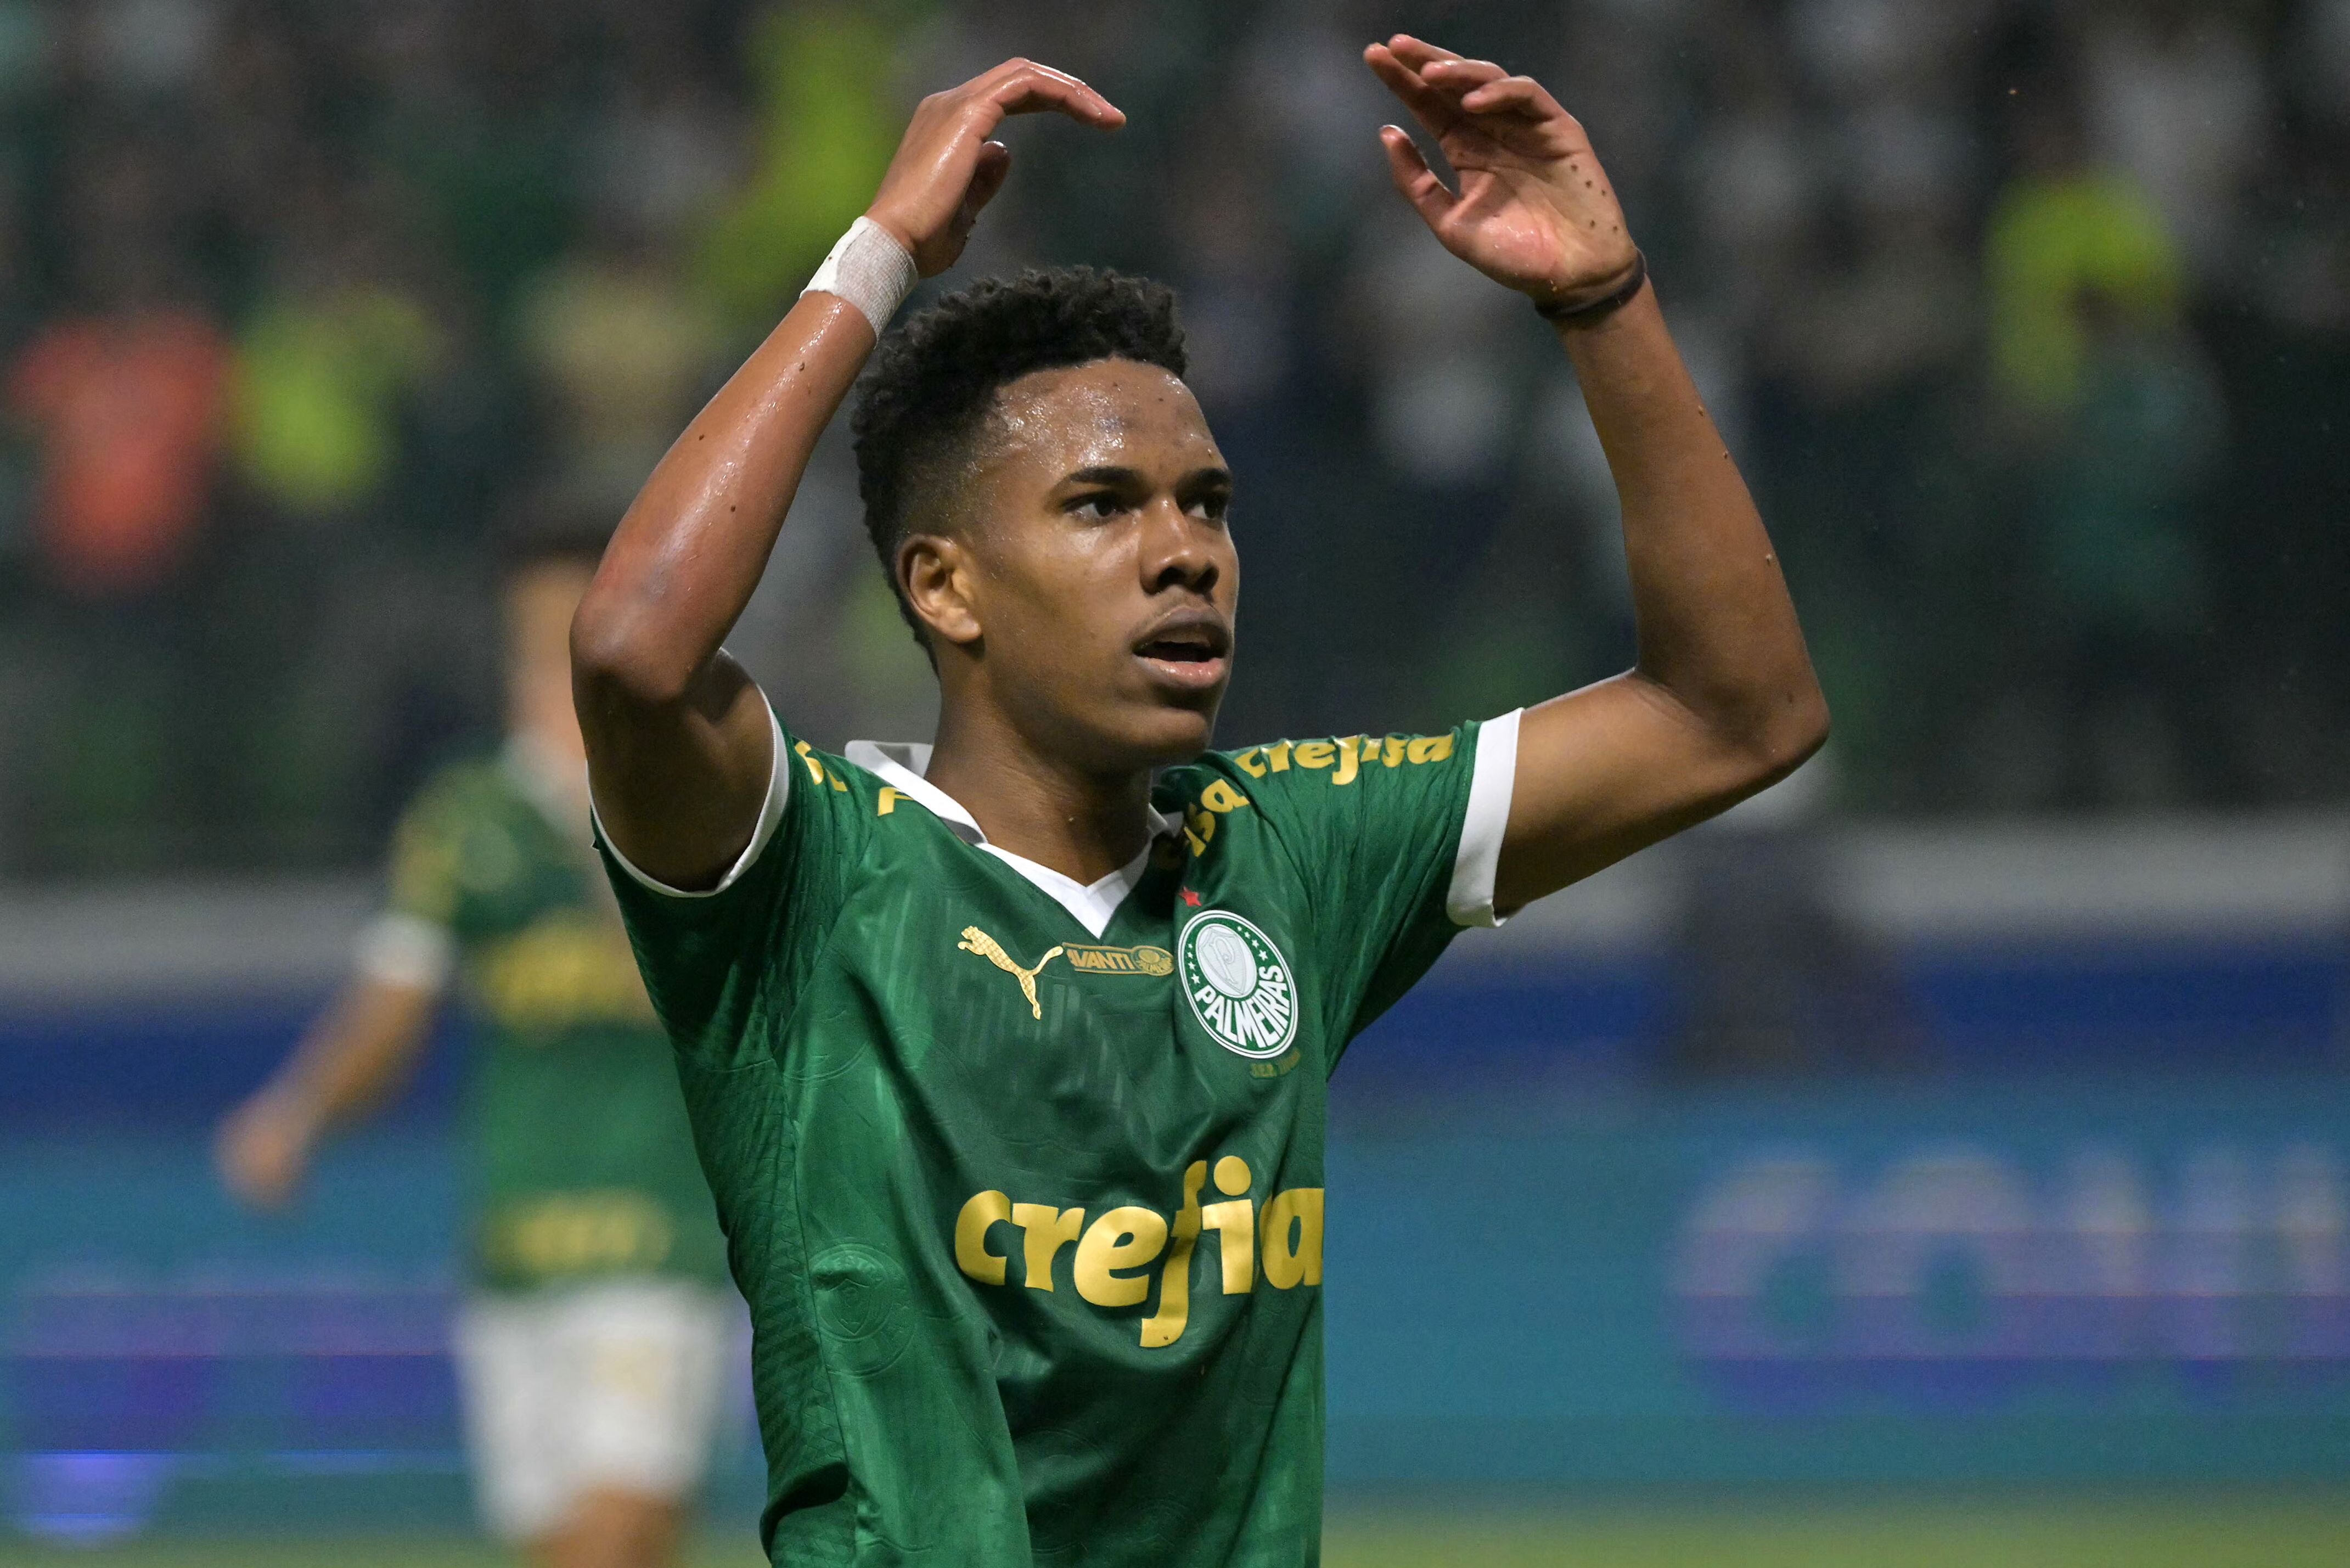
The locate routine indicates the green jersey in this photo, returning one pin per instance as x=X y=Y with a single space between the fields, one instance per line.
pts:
x=1023 y=1180
x=581 y=1162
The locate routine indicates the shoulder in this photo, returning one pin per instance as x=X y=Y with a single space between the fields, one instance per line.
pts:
x=457 y=794
x=1334 y=762
x=441 y=831
x=840 y=782
x=1292 y=784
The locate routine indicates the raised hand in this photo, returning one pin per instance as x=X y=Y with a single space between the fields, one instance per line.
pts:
x=1534 y=211
x=946 y=169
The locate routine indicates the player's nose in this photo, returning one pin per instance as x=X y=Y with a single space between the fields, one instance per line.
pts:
x=1180 y=551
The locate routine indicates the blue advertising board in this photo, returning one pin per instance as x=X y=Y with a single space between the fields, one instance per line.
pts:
x=2054 y=1279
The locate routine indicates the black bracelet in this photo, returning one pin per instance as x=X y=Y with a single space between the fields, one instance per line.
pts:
x=1585 y=314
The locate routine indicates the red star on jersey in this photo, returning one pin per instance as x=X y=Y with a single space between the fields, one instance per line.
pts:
x=1189 y=897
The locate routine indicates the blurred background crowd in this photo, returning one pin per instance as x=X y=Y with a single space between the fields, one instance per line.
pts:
x=2030 y=320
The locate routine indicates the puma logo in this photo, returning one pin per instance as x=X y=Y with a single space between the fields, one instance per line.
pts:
x=975 y=940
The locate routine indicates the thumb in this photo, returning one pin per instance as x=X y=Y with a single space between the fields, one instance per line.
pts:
x=986 y=179
x=1413 y=177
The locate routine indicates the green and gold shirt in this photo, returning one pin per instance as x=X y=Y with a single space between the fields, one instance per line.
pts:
x=581 y=1162
x=1023 y=1180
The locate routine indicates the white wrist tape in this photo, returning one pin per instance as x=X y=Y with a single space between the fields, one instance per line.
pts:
x=871 y=270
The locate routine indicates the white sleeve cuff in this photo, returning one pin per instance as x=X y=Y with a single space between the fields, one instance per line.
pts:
x=406 y=950
x=1469 y=901
x=771 y=813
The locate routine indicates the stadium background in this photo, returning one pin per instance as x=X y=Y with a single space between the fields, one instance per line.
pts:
x=1945 y=1159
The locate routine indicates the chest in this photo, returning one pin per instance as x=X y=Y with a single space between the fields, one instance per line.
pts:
x=1184 y=1028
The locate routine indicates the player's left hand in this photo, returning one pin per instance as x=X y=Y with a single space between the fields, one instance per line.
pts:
x=1534 y=211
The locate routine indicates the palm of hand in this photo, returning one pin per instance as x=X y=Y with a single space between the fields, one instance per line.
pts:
x=1535 y=212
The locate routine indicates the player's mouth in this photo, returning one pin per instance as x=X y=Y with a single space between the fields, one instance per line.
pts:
x=1191 y=649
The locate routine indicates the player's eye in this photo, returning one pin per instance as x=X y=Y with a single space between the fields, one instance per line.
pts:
x=1213 y=507
x=1098 y=507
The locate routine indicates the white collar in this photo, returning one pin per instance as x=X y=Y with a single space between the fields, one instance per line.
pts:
x=901 y=764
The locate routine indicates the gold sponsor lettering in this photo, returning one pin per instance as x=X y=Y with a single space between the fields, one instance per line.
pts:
x=1352 y=753
x=808 y=756
x=887 y=801
x=1199 y=827
x=1126 y=1238
x=971 y=1256
x=1280 y=1066
x=975 y=940
x=1112 y=1265
x=1119 y=961
x=1221 y=797
x=1165 y=1326
x=1292 y=1243
x=1044 y=1232
x=1234 y=1223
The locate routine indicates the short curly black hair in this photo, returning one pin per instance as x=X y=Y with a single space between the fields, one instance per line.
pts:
x=933 y=382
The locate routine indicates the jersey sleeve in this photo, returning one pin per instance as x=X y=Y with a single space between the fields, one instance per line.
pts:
x=725 y=965
x=1394 y=840
x=412 y=941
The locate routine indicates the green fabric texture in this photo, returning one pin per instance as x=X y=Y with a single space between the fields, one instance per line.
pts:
x=582 y=1165
x=1029 y=1220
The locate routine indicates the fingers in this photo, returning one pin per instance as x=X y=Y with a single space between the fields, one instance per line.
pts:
x=947 y=167
x=1023 y=86
x=1427 y=193
x=1440 y=87
x=986 y=179
x=1456 y=77
x=1416 y=52
x=1520 y=96
x=1433 y=110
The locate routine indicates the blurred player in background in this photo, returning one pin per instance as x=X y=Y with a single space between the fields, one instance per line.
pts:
x=1006 y=1055
x=593 y=1347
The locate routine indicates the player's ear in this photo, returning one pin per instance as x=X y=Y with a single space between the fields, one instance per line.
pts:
x=936 y=572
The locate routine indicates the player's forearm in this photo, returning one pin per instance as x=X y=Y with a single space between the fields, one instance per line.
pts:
x=358 y=1054
x=1717 y=631
x=692 y=546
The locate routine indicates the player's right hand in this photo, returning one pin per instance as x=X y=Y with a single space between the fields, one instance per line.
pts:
x=263 y=1150
x=946 y=169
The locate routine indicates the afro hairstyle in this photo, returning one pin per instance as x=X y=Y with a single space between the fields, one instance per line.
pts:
x=932 y=383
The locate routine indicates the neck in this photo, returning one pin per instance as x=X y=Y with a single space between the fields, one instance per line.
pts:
x=1082 y=825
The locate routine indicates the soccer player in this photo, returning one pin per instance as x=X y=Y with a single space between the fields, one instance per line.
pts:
x=1007 y=1054
x=592 y=1350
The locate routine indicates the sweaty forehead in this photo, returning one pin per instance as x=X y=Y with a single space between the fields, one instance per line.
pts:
x=1107 y=413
